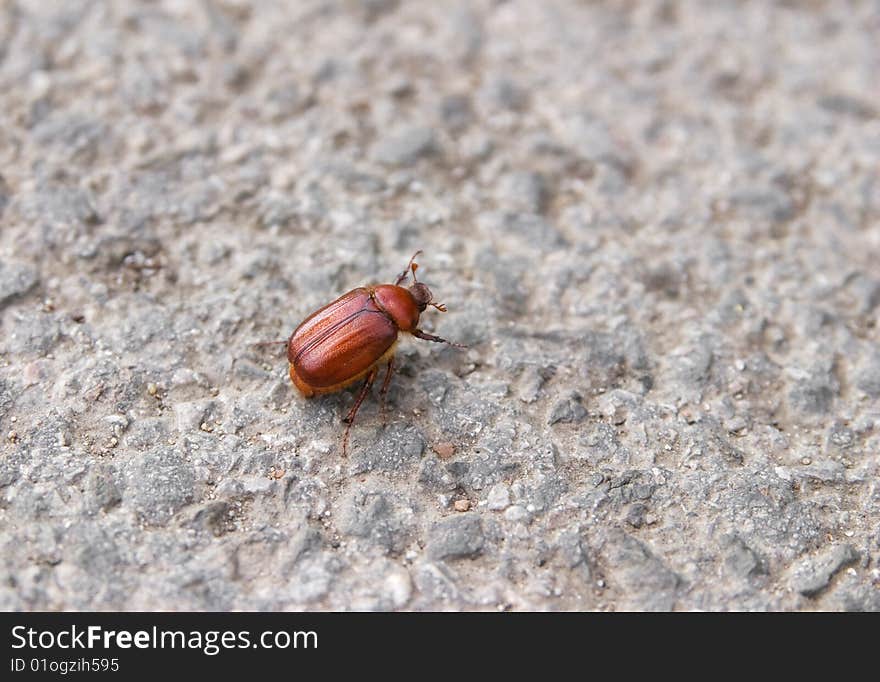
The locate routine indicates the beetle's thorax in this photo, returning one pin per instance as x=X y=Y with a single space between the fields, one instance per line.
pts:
x=399 y=304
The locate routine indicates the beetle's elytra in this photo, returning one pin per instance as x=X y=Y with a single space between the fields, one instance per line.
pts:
x=352 y=337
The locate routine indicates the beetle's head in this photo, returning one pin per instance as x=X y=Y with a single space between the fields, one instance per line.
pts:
x=423 y=297
x=421 y=294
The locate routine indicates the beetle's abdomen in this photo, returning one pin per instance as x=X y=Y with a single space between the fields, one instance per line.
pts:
x=340 y=342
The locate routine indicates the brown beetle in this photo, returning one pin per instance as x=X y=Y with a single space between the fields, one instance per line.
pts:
x=350 y=338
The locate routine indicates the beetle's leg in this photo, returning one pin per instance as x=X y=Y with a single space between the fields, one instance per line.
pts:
x=263 y=344
x=403 y=275
x=419 y=334
x=349 y=418
x=385 y=385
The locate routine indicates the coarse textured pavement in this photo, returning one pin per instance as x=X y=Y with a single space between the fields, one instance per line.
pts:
x=656 y=226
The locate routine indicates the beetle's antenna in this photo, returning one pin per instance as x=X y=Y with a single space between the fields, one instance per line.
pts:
x=410 y=266
x=440 y=306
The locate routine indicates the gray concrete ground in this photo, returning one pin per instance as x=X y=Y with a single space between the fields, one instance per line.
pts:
x=656 y=225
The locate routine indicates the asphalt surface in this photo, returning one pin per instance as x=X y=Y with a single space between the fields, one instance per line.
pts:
x=655 y=225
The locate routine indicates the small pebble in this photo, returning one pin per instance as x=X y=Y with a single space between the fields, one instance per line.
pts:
x=499 y=497
x=516 y=513
x=444 y=450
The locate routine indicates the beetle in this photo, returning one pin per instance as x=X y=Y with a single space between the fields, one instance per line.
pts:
x=352 y=337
